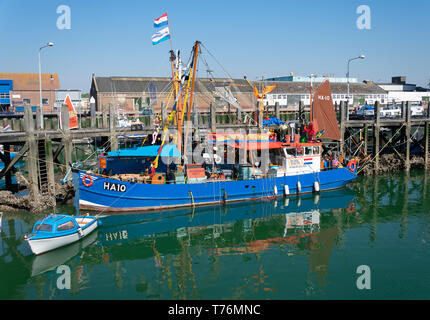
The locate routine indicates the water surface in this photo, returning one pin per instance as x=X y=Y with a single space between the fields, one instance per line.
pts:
x=306 y=247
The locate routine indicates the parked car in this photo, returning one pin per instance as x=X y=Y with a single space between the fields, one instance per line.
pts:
x=366 y=111
x=390 y=112
x=417 y=110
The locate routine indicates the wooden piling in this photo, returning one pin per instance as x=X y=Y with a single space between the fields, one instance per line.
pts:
x=366 y=138
x=66 y=140
x=105 y=116
x=408 y=137
x=260 y=117
x=212 y=116
x=50 y=167
x=426 y=145
x=277 y=110
x=8 y=176
x=32 y=152
x=342 y=118
x=112 y=129
x=376 y=130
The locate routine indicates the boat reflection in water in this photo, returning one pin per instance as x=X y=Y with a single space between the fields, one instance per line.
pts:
x=52 y=259
x=296 y=212
x=208 y=253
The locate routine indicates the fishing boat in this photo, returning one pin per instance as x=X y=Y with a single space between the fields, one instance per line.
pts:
x=291 y=166
x=57 y=231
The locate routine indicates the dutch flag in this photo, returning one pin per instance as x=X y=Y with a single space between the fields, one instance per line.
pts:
x=6 y=127
x=161 y=22
x=160 y=36
x=308 y=161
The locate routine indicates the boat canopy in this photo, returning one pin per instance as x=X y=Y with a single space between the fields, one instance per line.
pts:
x=52 y=222
x=168 y=150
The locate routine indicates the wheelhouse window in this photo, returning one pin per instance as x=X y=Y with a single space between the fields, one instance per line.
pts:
x=44 y=227
x=308 y=151
x=291 y=152
x=66 y=226
x=316 y=150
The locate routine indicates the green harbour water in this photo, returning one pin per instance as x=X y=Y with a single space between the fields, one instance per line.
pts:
x=306 y=247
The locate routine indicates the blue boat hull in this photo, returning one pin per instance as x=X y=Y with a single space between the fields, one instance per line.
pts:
x=103 y=193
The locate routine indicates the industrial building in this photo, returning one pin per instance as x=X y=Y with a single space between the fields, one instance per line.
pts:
x=138 y=93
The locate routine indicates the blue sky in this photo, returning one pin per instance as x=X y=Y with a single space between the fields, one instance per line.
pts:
x=252 y=38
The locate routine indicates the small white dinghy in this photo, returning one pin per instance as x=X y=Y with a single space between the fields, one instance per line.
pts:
x=57 y=231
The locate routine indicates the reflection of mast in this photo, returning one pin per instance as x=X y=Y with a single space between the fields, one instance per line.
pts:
x=404 y=221
x=319 y=257
x=375 y=211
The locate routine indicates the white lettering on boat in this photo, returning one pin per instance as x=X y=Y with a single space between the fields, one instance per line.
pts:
x=114 y=187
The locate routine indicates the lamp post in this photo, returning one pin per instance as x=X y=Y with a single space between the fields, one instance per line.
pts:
x=49 y=44
x=347 y=73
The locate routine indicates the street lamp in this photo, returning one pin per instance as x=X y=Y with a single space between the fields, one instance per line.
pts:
x=347 y=73
x=49 y=44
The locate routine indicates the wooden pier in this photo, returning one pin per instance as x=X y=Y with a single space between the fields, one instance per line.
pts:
x=367 y=139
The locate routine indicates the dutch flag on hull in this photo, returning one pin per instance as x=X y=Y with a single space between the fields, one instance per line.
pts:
x=308 y=161
x=161 y=22
x=160 y=36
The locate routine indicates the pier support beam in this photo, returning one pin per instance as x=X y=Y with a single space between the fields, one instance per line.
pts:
x=212 y=116
x=93 y=112
x=112 y=129
x=105 y=111
x=408 y=137
x=32 y=158
x=426 y=145
x=260 y=117
x=6 y=157
x=376 y=130
x=342 y=117
x=66 y=140
x=277 y=110
x=239 y=116
x=49 y=158
x=366 y=138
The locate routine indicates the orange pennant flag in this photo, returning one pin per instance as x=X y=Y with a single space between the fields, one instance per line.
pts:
x=256 y=93
x=269 y=89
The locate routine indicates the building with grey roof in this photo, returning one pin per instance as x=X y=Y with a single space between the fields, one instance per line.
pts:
x=137 y=93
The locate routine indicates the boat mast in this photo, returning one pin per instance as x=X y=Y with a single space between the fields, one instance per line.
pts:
x=190 y=104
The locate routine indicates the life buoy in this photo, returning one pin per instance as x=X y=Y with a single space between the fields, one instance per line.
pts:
x=351 y=207
x=217 y=159
x=84 y=180
x=352 y=165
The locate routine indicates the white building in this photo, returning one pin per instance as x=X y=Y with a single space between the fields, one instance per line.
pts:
x=75 y=96
x=398 y=91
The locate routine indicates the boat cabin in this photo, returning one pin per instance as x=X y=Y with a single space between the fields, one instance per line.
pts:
x=301 y=158
x=54 y=225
